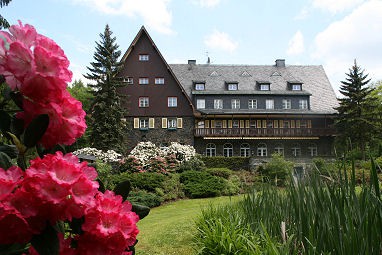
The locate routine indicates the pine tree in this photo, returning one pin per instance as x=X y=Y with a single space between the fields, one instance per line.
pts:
x=355 y=119
x=107 y=127
x=3 y=22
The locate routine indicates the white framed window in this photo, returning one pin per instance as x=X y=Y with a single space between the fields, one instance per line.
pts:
x=159 y=81
x=218 y=103
x=265 y=86
x=143 y=81
x=200 y=103
x=235 y=103
x=143 y=102
x=171 y=123
x=210 y=150
x=227 y=150
x=262 y=150
x=244 y=150
x=128 y=80
x=296 y=150
x=287 y=104
x=235 y=124
x=252 y=104
x=172 y=102
x=296 y=87
x=279 y=149
x=232 y=86
x=312 y=149
x=303 y=104
x=143 y=57
x=199 y=86
x=143 y=123
x=269 y=104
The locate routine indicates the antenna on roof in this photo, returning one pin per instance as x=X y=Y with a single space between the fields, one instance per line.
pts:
x=208 y=58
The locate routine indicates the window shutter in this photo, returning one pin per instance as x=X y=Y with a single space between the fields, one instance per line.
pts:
x=259 y=123
x=247 y=123
x=151 y=123
x=224 y=124
x=241 y=123
x=136 y=122
x=297 y=124
x=292 y=124
x=276 y=123
x=309 y=124
x=179 y=122
x=164 y=122
x=264 y=124
x=281 y=124
x=206 y=123
x=212 y=124
x=229 y=123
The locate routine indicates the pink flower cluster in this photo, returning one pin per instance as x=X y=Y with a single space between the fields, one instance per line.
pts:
x=58 y=187
x=37 y=67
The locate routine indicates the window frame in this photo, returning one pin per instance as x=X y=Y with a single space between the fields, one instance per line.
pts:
x=144 y=124
x=296 y=87
x=232 y=86
x=211 y=150
x=245 y=150
x=267 y=101
x=143 y=102
x=252 y=103
x=264 y=87
x=144 y=57
x=172 y=123
x=170 y=102
x=287 y=104
x=218 y=103
x=200 y=105
x=228 y=150
x=200 y=86
x=262 y=150
x=159 y=81
x=303 y=104
x=141 y=79
x=235 y=103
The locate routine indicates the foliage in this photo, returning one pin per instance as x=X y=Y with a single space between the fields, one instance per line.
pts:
x=233 y=186
x=195 y=163
x=233 y=163
x=171 y=189
x=357 y=119
x=146 y=181
x=145 y=198
x=277 y=170
x=130 y=164
x=3 y=22
x=317 y=216
x=201 y=184
x=220 y=172
x=106 y=112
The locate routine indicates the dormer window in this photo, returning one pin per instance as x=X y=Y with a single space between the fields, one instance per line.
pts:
x=200 y=86
x=296 y=87
x=232 y=86
x=143 y=57
x=264 y=86
x=128 y=80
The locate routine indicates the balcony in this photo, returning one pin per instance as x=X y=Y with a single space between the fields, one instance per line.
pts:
x=264 y=132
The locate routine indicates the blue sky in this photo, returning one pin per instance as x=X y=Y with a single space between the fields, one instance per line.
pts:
x=331 y=33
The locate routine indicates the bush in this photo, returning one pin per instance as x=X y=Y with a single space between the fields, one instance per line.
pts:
x=233 y=186
x=195 y=163
x=232 y=163
x=277 y=170
x=171 y=188
x=104 y=171
x=220 y=172
x=143 y=197
x=146 y=181
x=202 y=184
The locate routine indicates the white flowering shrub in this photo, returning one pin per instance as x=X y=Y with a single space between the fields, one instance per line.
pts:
x=181 y=152
x=144 y=151
x=108 y=157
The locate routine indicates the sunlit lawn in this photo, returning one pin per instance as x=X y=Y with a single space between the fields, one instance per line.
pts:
x=168 y=229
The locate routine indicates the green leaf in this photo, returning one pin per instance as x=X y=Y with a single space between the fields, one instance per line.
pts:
x=141 y=210
x=36 y=130
x=17 y=126
x=5 y=122
x=10 y=150
x=17 y=97
x=123 y=189
x=47 y=242
x=5 y=161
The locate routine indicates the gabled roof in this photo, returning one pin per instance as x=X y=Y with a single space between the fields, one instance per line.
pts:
x=313 y=78
x=131 y=47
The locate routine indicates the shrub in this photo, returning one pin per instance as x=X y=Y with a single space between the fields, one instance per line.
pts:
x=220 y=172
x=202 y=184
x=233 y=163
x=171 y=188
x=130 y=164
x=143 y=197
x=146 y=181
x=233 y=186
x=195 y=163
x=277 y=170
x=104 y=171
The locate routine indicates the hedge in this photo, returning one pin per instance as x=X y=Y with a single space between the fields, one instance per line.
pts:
x=233 y=163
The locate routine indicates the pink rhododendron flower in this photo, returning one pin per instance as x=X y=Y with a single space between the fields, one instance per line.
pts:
x=9 y=179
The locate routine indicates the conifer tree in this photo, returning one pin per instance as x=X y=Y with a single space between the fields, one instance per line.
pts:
x=355 y=119
x=3 y=22
x=106 y=125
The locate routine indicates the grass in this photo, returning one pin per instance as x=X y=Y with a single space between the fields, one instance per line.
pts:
x=169 y=229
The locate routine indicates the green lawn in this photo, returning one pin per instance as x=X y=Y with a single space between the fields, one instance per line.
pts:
x=168 y=229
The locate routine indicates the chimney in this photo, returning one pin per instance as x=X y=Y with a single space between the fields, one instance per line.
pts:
x=280 y=62
x=192 y=62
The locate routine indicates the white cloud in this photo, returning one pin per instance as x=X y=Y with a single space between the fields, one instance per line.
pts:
x=335 y=6
x=206 y=3
x=302 y=14
x=221 y=41
x=155 y=13
x=296 y=44
x=356 y=36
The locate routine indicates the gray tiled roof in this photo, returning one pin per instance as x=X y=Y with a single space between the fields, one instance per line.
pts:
x=313 y=78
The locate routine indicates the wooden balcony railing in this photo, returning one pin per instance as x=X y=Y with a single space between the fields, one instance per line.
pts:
x=264 y=132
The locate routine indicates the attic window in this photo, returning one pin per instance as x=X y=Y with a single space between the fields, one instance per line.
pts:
x=245 y=74
x=296 y=87
x=214 y=73
x=128 y=80
x=232 y=86
x=200 y=86
x=143 y=57
x=264 y=86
